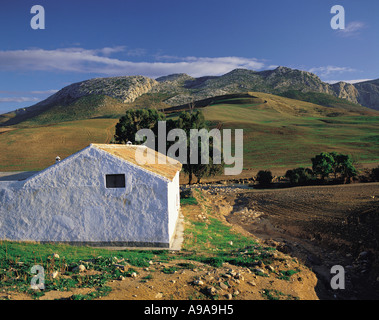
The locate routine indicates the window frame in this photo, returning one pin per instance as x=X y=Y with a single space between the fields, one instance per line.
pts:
x=115 y=184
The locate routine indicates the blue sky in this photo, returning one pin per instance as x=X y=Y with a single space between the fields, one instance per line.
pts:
x=87 y=39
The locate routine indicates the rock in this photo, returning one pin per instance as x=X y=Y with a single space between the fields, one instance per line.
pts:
x=232 y=272
x=159 y=295
x=198 y=282
x=121 y=278
x=229 y=296
x=133 y=275
x=239 y=276
x=252 y=283
x=236 y=292
x=223 y=286
x=55 y=255
x=259 y=270
x=79 y=268
x=55 y=274
x=270 y=268
x=212 y=291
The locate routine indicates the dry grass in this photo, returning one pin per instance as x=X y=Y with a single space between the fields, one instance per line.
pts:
x=35 y=148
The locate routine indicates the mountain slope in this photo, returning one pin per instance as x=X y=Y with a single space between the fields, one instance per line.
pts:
x=121 y=89
x=180 y=89
x=275 y=81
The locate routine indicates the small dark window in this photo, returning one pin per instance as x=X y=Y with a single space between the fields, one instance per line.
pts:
x=115 y=180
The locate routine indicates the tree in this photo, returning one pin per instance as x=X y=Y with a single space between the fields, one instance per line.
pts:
x=345 y=167
x=134 y=120
x=322 y=164
x=336 y=163
x=300 y=176
x=264 y=178
x=195 y=120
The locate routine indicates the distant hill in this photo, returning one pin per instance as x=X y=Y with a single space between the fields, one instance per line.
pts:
x=110 y=97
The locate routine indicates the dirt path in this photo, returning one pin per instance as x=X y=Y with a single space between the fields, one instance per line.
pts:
x=322 y=226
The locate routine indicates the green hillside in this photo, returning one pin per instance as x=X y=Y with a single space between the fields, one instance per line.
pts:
x=286 y=133
x=322 y=99
x=278 y=132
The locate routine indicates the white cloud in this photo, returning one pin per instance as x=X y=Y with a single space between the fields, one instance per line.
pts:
x=96 y=61
x=18 y=99
x=24 y=96
x=352 y=29
x=348 y=81
x=328 y=70
x=36 y=92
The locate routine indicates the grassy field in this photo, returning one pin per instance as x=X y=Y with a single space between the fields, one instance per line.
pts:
x=278 y=132
x=287 y=133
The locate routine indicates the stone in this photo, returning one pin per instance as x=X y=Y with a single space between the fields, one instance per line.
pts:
x=270 y=268
x=224 y=286
x=133 y=275
x=198 y=282
x=159 y=295
x=252 y=283
x=259 y=270
x=229 y=296
x=239 y=276
x=80 y=268
x=212 y=291
x=55 y=274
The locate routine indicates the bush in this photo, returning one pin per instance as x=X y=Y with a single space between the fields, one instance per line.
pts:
x=300 y=176
x=264 y=178
x=374 y=174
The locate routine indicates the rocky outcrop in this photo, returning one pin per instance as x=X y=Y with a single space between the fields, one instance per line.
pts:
x=346 y=91
x=185 y=89
x=368 y=93
x=126 y=89
x=179 y=89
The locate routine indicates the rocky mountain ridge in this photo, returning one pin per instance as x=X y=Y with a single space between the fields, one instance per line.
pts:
x=179 y=89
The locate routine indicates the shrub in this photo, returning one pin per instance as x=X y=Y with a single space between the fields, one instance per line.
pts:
x=374 y=174
x=264 y=178
x=301 y=176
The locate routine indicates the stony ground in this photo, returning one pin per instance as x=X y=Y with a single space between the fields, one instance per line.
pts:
x=321 y=225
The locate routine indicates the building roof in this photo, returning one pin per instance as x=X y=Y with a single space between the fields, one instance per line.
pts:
x=158 y=163
x=16 y=175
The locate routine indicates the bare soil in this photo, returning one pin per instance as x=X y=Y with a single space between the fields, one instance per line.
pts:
x=320 y=225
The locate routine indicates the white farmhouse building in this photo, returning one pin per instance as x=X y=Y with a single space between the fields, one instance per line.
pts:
x=100 y=195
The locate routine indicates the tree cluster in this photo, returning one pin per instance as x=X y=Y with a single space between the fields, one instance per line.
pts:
x=136 y=119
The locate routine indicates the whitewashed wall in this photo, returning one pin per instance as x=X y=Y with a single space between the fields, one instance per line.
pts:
x=173 y=204
x=69 y=202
